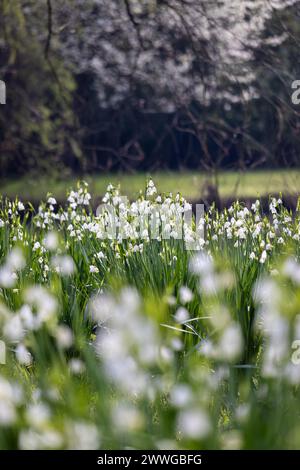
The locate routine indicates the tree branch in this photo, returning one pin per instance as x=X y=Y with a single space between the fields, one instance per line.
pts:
x=49 y=24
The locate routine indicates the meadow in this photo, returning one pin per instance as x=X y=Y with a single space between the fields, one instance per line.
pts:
x=135 y=327
x=231 y=184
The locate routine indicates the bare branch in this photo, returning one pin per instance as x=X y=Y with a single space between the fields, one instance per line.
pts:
x=49 y=25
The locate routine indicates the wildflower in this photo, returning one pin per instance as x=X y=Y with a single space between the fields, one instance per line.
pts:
x=151 y=189
x=30 y=439
x=7 y=278
x=182 y=315
x=64 y=336
x=8 y=414
x=52 y=201
x=8 y=401
x=38 y=414
x=101 y=255
x=242 y=412
x=181 y=395
x=230 y=346
x=263 y=257
x=21 y=206
x=185 y=295
x=93 y=269
x=13 y=329
x=102 y=307
x=292 y=269
x=201 y=264
x=63 y=264
x=194 y=423
x=127 y=418
x=207 y=348
x=176 y=344
x=76 y=366
x=23 y=355
x=82 y=436
x=27 y=317
x=51 y=241
x=41 y=300
x=171 y=300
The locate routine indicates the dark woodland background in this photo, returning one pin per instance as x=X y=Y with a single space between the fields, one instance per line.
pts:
x=124 y=85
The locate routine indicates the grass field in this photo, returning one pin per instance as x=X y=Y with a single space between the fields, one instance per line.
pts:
x=231 y=184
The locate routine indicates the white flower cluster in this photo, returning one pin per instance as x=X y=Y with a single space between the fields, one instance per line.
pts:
x=197 y=341
x=128 y=343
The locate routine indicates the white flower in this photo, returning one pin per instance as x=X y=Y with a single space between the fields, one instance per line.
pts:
x=194 y=424
x=185 y=295
x=27 y=317
x=52 y=201
x=171 y=300
x=263 y=257
x=45 y=304
x=182 y=315
x=102 y=307
x=15 y=260
x=23 y=355
x=93 y=269
x=38 y=414
x=101 y=255
x=36 y=246
x=231 y=343
x=242 y=412
x=166 y=354
x=21 y=206
x=207 y=348
x=63 y=264
x=83 y=436
x=64 y=336
x=76 y=366
x=181 y=395
x=51 y=241
x=127 y=418
x=7 y=413
x=7 y=278
x=201 y=264
x=39 y=440
x=292 y=269
x=13 y=329
x=241 y=233
x=151 y=189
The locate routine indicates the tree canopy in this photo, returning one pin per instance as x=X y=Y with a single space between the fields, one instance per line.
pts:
x=107 y=84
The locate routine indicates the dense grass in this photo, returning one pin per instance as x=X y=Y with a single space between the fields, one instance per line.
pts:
x=141 y=342
x=231 y=184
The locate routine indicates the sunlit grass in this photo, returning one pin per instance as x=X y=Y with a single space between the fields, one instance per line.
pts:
x=190 y=184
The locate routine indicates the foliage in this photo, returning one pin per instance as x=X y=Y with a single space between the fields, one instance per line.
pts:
x=145 y=84
x=37 y=123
